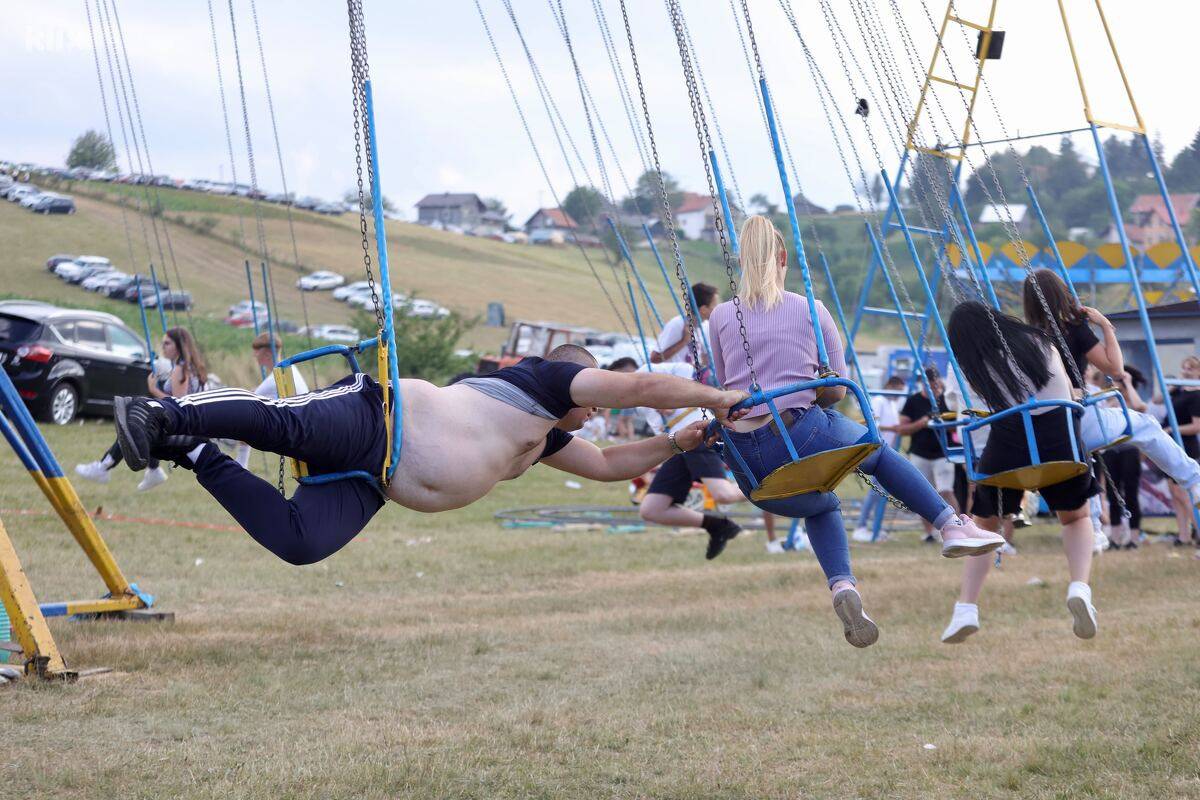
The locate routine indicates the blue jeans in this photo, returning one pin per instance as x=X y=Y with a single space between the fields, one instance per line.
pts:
x=815 y=430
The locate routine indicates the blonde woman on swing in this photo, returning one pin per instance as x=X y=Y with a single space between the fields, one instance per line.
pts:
x=779 y=329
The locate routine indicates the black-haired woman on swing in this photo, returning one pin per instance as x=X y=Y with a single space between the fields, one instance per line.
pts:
x=780 y=329
x=982 y=340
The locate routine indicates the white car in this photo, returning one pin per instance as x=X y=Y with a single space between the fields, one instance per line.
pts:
x=425 y=309
x=361 y=299
x=68 y=270
x=21 y=191
x=319 y=280
x=344 y=291
x=336 y=333
x=94 y=283
x=31 y=199
x=248 y=308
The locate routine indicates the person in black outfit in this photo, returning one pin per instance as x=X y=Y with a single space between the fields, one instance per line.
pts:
x=924 y=450
x=1186 y=402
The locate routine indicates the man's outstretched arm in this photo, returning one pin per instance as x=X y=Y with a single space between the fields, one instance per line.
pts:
x=621 y=462
x=604 y=389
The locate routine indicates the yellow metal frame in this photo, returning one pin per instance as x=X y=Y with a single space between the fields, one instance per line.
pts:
x=1140 y=125
x=285 y=386
x=29 y=626
x=972 y=89
x=1036 y=476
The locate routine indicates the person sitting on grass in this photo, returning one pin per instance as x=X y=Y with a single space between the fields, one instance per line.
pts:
x=458 y=442
x=980 y=338
x=779 y=328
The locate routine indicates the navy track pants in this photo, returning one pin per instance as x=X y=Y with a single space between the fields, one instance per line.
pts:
x=338 y=429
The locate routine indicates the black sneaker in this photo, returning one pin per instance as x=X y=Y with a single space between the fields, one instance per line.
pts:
x=720 y=531
x=140 y=426
x=176 y=448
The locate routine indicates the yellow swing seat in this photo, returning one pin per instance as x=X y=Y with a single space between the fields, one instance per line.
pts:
x=1036 y=476
x=821 y=472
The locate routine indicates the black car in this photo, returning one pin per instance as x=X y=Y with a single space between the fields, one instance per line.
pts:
x=65 y=362
x=147 y=288
x=55 y=205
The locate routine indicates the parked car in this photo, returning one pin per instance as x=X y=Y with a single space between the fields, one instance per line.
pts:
x=146 y=283
x=171 y=298
x=344 y=291
x=308 y=203
x=94 y=282
x=85 y=271
x=425 y=309
x=330 y=208
x=361 y=300
x=64 y=362
x=321 y=279
x=19 y=191
x=242 y=307
x=55 y=260
x=31 y=199
x=57 y=204
x=68 y=269
x=334 y=333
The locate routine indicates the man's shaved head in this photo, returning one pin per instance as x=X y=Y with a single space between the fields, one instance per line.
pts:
x=572 y=354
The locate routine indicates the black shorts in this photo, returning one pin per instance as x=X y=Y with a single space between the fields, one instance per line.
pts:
x=1008 y=449
x=677 y=474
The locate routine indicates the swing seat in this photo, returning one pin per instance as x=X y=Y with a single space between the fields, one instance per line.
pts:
x=821 y=472
x=285 y=384
x=1037 y=474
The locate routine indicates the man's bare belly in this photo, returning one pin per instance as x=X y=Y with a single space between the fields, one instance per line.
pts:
x=458 y=443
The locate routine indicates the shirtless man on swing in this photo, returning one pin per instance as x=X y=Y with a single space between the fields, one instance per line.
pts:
x=458 y=442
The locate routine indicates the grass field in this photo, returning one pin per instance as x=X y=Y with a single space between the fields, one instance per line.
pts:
x=443 y=657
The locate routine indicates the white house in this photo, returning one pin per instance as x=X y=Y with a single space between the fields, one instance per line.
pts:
x=695 y=216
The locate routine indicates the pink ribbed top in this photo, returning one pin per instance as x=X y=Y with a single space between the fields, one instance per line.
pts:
x=782 y=344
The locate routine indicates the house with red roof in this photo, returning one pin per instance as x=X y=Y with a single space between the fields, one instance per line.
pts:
x=1148 y=222
x=549 y=225
x=695 y=216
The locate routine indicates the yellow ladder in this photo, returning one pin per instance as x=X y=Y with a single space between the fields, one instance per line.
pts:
x=971 y=90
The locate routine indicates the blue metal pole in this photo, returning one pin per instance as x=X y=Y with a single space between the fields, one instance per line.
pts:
x=891 y=209
x=385 y=279
x=841 y=317
x=270 y=319
x=1135 y=283
x=663 y=269
x=637 y=274
x=695 y=313
x=877 y=248
x=929 y=296
x=637 y=320
x=961 y=206
x=162 y=316
x=1189 y=264
x=726 y=212
x=145 y=324
x=802 y=260
x=1058 y=259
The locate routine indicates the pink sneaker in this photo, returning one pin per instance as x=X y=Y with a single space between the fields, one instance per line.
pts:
x=962 y=537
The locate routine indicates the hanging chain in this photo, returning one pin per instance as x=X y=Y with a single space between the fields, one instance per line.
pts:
x=362 y=139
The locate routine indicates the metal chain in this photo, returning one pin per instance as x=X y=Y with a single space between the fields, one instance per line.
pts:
x=668 y=215
x=610 y=48
x=262 y=58
x=212 y=23
x=358 y=76
x=704 y=140
x=542 y=165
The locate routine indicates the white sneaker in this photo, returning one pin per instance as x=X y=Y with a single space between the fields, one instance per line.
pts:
x=775 y=547
x=1007 y=550
x=152 y=478
x=861 y=535
x=93 y=471
x=1079 y=603
x=963 y=623
x=962 y=537
x=860 y=630
x=1099 y=541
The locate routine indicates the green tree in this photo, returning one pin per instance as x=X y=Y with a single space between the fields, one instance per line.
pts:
x=1184 y=175
x=584 y=204
x=647 y=196
x=426 y=347
x=761 y=204
x=92 y=150
x=496 y=206
x=351 y=197
x=1066 y=173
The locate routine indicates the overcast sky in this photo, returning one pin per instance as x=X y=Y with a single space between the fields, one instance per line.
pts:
x=447 y=123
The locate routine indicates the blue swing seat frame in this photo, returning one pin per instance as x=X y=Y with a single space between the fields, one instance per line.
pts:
x=1038 y=473
x=817 y=472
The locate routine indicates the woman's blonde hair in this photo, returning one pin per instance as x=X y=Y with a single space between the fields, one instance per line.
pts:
x=761 y=243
